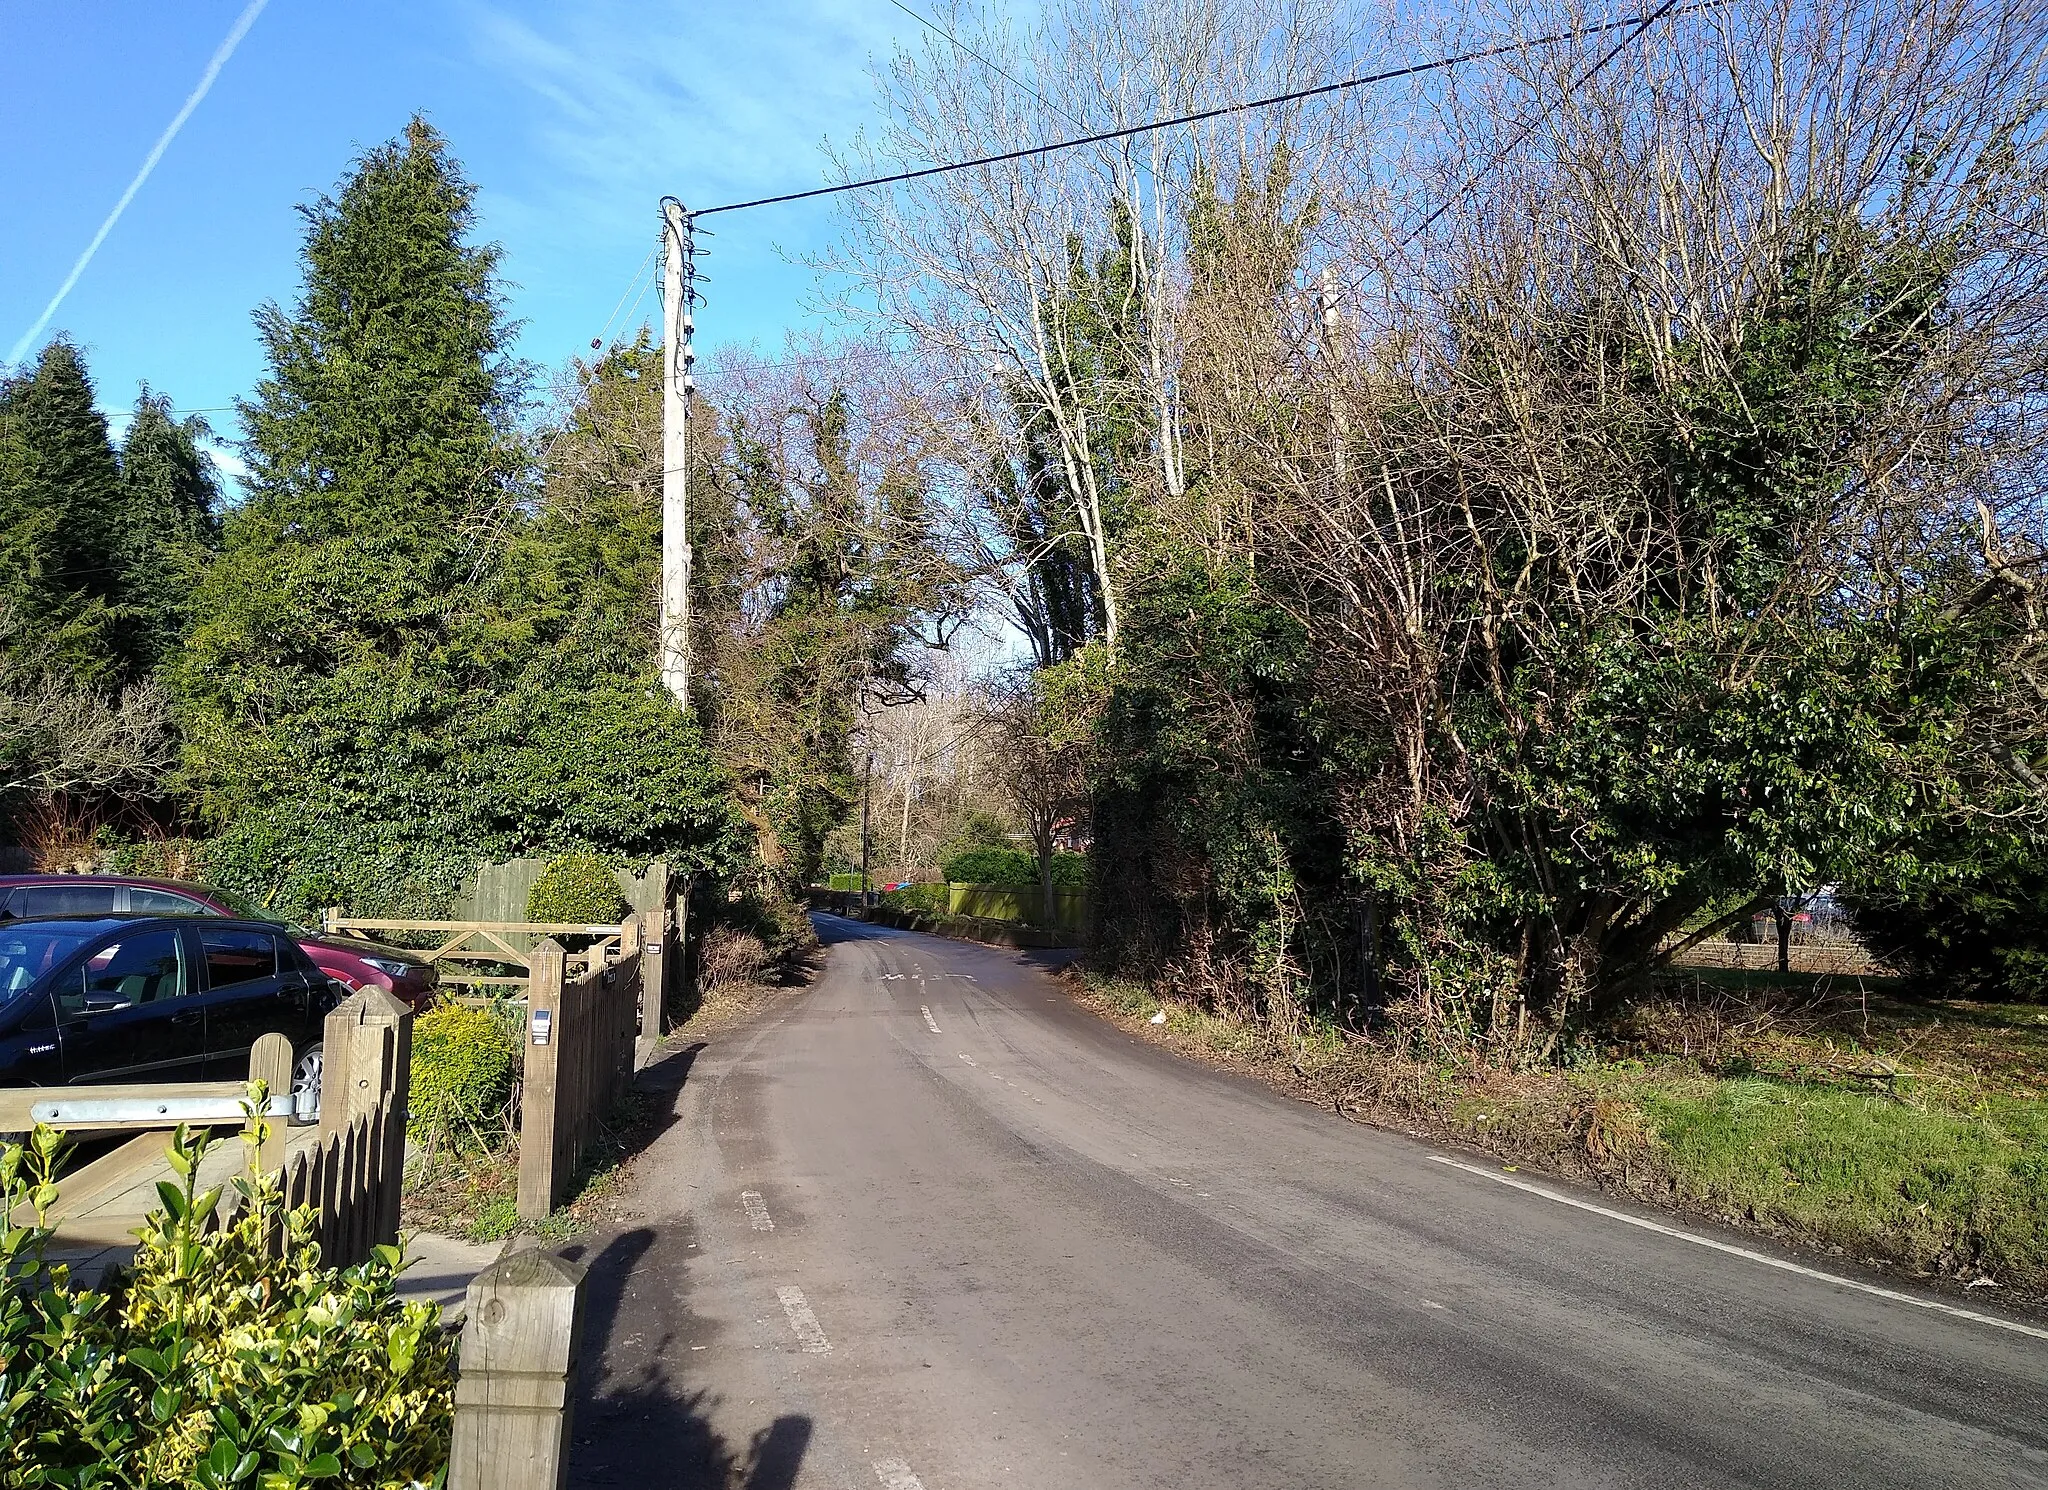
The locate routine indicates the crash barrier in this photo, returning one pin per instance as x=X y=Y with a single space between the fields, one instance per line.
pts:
x=585 y=1037
x=521 y=1331
x=347 y=1165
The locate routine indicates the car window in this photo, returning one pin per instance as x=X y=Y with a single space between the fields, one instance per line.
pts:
x=28 y=953
x=29 y=901
x=145 y=902
x=237 y=956
x=144 y=969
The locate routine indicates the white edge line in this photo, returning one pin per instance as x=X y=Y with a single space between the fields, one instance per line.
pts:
x=1744 y=1252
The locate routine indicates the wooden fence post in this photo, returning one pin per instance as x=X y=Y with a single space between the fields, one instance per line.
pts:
x=270 y=1062
x=366 y=1047
x=513 y=1401
x=653 y=979
x=538 y=1129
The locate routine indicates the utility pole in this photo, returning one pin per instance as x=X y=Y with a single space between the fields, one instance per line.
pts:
x=867 y=781
x=678 y=325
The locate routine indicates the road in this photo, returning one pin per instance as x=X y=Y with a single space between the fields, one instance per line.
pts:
x=927 y=1225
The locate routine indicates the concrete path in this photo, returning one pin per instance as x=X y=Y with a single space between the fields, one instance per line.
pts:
x=438 y=1268
x=928 y=1226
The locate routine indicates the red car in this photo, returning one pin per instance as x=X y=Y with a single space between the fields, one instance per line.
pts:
x=348 y=961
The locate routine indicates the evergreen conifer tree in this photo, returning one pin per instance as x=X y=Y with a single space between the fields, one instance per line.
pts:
x=60 y=503
x=326 y=681
x=167 y=526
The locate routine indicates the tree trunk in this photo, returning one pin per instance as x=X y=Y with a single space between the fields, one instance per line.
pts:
x=1782 y=914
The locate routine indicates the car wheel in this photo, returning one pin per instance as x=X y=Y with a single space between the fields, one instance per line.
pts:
x=306 y=1074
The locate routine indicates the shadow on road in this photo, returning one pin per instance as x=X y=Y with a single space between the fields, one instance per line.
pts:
x=638 y=1421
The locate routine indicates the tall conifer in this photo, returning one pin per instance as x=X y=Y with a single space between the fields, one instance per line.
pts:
x=327 y=682
x=167 y=525
x=60 y=504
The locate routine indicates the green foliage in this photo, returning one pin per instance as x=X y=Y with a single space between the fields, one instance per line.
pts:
x=222 y=1359
x=168 y=527
x=375 y=698
x=60 y=517
x=1973 y=923
x=463 y=1062
x=926 y=897
x=977 y=829
x=1013 y=869
x=576 y=887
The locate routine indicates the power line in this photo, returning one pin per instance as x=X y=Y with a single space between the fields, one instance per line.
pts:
x=1413 y=69
x=1495 y=157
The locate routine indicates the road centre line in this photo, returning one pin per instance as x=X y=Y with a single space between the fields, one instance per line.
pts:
x=1745 y=1253
x=809 y=1333
x=757 y=1210
x=927 y=1011
x=895 y=1475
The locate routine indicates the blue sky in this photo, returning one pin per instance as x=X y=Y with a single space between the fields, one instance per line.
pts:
x=572 y=119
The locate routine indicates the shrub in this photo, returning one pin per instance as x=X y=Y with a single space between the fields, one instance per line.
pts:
x=463 y=1061
x=222 y=1359
x=932 y=898
x=728 y=957
x=576 y=887
x=1013 y=869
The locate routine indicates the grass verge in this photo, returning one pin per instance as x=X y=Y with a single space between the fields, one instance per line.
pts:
x=1830 y=1113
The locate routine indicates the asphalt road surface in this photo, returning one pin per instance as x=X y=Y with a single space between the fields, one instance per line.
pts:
x=928 y=1226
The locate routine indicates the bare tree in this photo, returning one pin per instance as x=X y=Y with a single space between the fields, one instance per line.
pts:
x=57 y=737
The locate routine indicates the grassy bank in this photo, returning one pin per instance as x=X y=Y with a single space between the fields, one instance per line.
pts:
x=1828 y=1112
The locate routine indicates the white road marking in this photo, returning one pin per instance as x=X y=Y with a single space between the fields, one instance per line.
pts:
x=892 y=977
x=1744 y=1252
x=966 y=1057
x=809 y=1333
x=757 y=1211
x=928 y=1018
x=895 y=1475
x=1433 y=1304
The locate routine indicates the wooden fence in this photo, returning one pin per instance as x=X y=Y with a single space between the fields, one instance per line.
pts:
x=348 y=1168
x=464 y=945
x=585 y=1037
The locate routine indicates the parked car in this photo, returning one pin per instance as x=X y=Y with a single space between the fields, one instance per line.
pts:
x=352 y=963
x=155 y=999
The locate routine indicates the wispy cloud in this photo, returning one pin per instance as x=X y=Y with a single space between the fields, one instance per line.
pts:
x=220 y=59
x=640 y=99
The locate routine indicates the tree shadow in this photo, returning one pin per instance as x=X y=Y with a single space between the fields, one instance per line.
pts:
x=637 y=1423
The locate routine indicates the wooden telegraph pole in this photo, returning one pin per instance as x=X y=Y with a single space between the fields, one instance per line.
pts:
x=678 y=287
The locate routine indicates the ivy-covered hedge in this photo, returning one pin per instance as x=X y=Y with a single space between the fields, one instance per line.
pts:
x=219 y=1361
x=576 y=887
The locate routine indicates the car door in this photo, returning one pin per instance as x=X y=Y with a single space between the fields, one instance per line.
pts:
x=126 y=1012
x=251 y=991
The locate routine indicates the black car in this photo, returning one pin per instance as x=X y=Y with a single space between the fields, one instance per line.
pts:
x=155 y=998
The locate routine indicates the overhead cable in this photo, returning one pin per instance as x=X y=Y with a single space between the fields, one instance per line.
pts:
x=1634 y=24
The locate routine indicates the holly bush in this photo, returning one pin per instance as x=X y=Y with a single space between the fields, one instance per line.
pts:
x=227 y=1356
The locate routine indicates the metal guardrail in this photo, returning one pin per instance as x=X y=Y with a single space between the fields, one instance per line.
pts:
x=150 y=1112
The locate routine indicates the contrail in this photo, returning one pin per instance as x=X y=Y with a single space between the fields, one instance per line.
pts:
x=220 y=58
